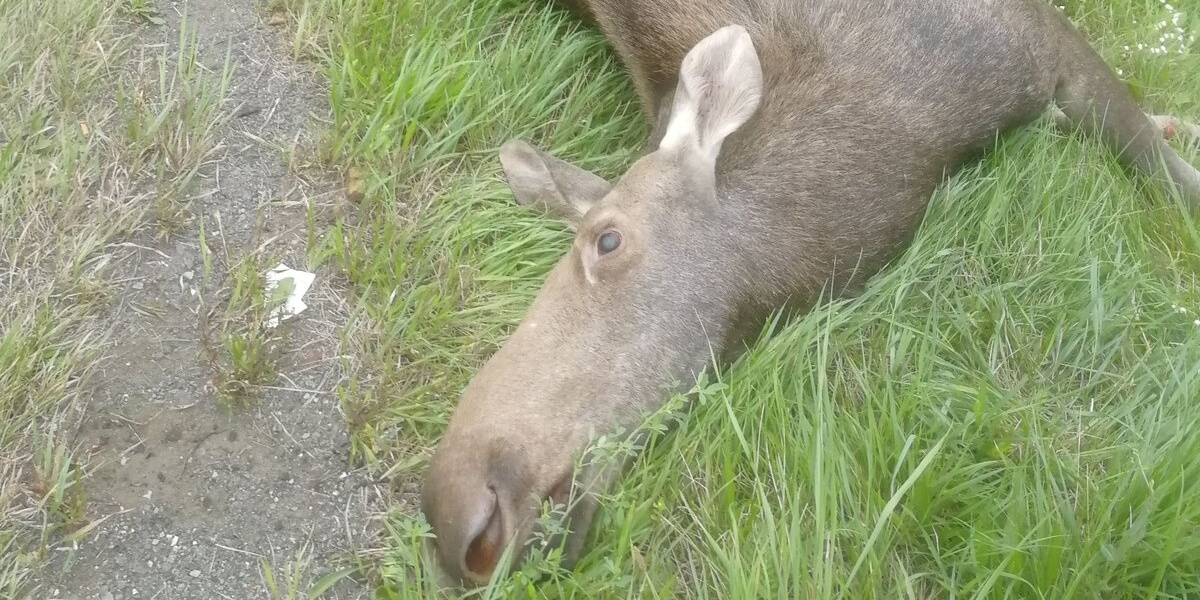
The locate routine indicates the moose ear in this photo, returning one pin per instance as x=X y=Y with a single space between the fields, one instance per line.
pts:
x=720 y=87
x=557 y=187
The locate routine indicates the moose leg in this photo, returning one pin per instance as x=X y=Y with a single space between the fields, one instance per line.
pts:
x=1091 y=98
x=1174 y=127
x=1170 y=126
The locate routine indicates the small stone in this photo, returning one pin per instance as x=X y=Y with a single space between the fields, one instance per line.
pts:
x=355 y=184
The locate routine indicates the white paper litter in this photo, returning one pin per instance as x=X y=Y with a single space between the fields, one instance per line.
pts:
x=293 y=305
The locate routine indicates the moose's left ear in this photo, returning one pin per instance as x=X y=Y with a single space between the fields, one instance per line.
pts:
x=557 y=187
x=720 y=87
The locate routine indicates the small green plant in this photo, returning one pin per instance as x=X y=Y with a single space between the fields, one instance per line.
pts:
x=144 y=10
x=297 y=577
x=239 y=345
x=241 y=339
x=56 y=483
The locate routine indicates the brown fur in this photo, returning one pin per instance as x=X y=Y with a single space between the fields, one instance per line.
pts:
x=857 y=110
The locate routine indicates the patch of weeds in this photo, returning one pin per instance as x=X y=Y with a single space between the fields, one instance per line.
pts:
x=171 y=113
x=297 y=578
x=55 y=482
x=293 y=577
x=44 y=353
x=237 y=340
x=14 y=547
x=241 y=349
x=310 y=25
x=405 y=558
x=72 y=182
x=144 y=10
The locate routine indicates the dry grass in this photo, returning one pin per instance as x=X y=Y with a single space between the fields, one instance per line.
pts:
x=97 y=142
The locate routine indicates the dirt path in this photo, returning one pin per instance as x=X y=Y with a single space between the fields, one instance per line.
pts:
x=198 y=496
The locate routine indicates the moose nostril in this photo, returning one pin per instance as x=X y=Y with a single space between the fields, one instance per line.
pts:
x=484 y=550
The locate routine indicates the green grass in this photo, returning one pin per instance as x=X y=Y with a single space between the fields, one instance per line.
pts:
x=171 y=111
x=1009 y=411
x=237 y=343
x=94 y=144
x=239 y=346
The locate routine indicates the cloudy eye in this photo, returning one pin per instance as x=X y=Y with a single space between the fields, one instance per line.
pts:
x=609 y=240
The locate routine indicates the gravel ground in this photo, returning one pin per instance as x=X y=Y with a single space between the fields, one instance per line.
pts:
x=193 y=497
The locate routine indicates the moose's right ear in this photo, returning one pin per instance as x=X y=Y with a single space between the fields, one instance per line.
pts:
x=557 y=187
x=720 y=87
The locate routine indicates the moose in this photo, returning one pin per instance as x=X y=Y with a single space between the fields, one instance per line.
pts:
x=792 y=149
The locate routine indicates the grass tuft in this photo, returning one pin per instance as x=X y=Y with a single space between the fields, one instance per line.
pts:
x=240 y=347
x=172 y=109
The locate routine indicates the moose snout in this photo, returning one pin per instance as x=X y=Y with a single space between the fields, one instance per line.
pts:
x=477 y=507
x=472 y=519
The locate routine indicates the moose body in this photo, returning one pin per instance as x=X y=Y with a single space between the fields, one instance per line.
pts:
x=793 y=147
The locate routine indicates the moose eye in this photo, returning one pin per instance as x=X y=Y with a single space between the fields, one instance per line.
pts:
x=609 y=240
